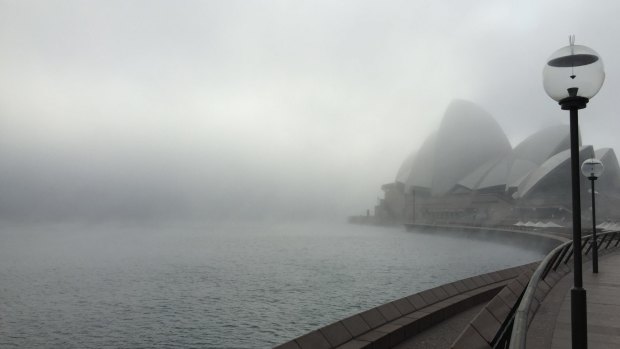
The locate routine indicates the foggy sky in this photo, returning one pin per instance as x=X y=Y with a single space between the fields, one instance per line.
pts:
x=228 y=109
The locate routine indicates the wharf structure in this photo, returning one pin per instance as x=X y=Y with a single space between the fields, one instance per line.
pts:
x=467 y=173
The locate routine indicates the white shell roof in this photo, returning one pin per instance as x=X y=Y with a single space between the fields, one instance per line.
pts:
x=519 y=170
x=472 y=181
x=467 y=138
x=611 y=173
x=497 y=176
x=513 y=169
x=491 y=174
x=405 y=169
x=421 y=170
x=543 y=144
x=548 y=167
x=471 y=150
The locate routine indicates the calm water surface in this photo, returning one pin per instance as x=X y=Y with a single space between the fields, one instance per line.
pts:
x=217 y=286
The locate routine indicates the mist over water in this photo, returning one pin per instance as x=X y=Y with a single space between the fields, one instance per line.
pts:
x=154 y=154
x=158 y=110
x=234 y=285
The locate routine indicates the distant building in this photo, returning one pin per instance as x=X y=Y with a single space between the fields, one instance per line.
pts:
x=468 y=173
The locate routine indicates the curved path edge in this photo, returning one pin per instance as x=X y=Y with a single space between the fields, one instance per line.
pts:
x=548 y=234
x=390 y=324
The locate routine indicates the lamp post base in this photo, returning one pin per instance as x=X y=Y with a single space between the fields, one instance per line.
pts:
x=579 y=318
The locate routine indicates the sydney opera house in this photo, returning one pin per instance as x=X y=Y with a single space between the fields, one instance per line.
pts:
x=468 y=173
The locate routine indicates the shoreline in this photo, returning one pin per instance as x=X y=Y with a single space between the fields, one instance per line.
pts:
x=334 y=335
x=392 y=323
x=558 y=236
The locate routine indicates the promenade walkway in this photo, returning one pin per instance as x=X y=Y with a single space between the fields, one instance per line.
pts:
x=551 y=326
x=442 y=335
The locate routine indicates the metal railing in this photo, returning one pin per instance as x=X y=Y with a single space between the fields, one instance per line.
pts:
x=518 y=323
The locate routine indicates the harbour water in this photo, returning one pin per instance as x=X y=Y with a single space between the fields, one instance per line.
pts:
x=241 y=285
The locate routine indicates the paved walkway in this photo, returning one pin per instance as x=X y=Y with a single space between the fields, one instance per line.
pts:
x=603 y=297
x=443 y=334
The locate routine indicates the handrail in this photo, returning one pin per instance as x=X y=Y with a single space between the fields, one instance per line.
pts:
x=519 y=327
x=551 y=261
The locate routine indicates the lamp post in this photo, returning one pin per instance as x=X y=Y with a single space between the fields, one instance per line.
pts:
x=593 y=168
x=574 y=74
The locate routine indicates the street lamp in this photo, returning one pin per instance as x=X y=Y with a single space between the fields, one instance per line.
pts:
x=593 y=168
x=573 y=75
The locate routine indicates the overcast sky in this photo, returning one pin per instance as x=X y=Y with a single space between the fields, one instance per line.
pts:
x=211 y=109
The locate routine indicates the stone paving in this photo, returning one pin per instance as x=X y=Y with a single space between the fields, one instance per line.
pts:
x=388 y=325
x=551 y=326
x=443 y=334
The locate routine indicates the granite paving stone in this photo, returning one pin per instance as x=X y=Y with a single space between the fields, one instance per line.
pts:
x=389 y=311
x=441 y=335
x=487 y=278
x=486 y=324
x=373 y=318
x=460 y=286
x=508 y=296
x=498 y=309
x=603 y=309
x=288 y=345
x=355 y=344
x=313 y=340
x=355 y=325
x=440 y=293
x=469 y=284
x=429 y=297
x=478 y=281
x=336 y=334
x=450 y=289
x=417 y=301
x=472 y=340
x=404 y=306
x=495 y=276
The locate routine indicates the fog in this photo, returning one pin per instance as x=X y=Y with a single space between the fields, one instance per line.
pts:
x=167 y=110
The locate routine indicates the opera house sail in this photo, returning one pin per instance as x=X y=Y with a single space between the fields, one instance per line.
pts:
x=467 y=173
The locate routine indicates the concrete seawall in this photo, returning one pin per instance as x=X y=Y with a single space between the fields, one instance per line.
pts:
x=392 y=323
x=553 y=235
